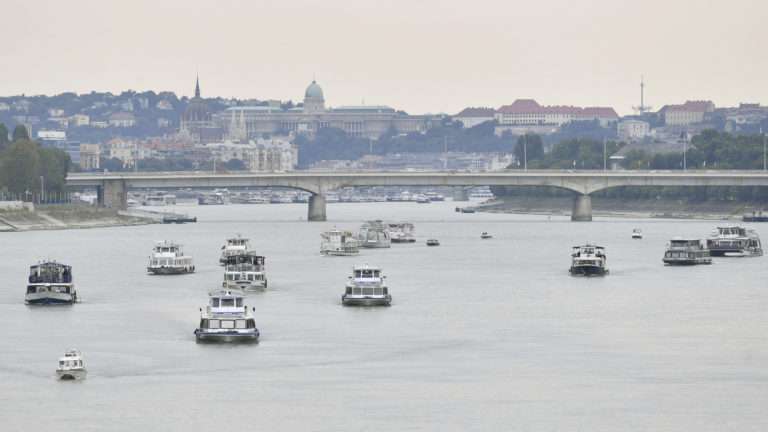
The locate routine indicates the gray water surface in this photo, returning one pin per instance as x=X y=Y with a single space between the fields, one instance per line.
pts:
x=482 y=334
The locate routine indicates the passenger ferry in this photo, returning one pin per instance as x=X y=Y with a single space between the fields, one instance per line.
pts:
x=338 y=243
x=168 y=259
x=588 y=260
x=245 y=271
x=159 y=199
x=373 y=234
x=401 y=232
x=637 y=234
x=71 y=366
x=214 y=198
x=366 y=287
x=433 y=242
x=226 y=318
x=50 y=283
x=734 y=241
x=682 y=251
x=237 y=245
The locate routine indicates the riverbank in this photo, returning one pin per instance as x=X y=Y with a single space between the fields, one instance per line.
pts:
x=66 y=216
x=612 y=207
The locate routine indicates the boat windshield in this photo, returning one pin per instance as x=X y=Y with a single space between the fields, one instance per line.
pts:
x=367 y=274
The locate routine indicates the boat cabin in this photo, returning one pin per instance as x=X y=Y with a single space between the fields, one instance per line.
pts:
x=50 y=272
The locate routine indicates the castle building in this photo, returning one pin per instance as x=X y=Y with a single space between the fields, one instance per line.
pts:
x=242 y=123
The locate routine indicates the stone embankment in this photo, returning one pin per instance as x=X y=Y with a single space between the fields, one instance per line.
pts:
x=25 y=217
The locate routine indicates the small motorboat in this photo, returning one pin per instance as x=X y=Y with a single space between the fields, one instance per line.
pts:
x=485 y=236
x=433 y=242
x=637 y=233
x=71 y=366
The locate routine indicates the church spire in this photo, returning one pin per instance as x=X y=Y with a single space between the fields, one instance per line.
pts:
x=197 y=87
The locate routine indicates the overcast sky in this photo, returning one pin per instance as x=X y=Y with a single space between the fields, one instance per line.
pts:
x=420 y=56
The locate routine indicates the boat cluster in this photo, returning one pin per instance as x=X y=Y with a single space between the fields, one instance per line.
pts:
x=372 y=234
x=723 y=241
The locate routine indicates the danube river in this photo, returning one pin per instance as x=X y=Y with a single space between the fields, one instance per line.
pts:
x=482 y=335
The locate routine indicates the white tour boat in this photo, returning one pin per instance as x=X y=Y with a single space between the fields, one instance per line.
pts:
x=401 y=232
x=50 y=283
x=682 y=251
x=366 y=287
x=245 y=271
x=338 y=243
x=226 y=318
x=168 y=259
x=637 y=233
x=588 y=260
x=734 y=241
x=237 y=245
x=71 y=366
x=373 y=234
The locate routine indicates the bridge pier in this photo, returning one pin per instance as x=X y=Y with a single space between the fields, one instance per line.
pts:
x=460 y=194
x=582 y=208
x=316 y=210
x=112 y=194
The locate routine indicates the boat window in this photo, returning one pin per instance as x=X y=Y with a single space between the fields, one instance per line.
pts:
x=214 y=324
x=367 y=273
x=227 y=324
x=349 y=290
x=240 y=324
x=367 y=291
x=357 y=291
x=239 y=302
x=376 y=273
x=215 y=302
x=251 y=323
x=227 y=302
x=386 y=291
x=377 y=291
x=357 y=273
x=61 y=362
x=203 y=323
x=30 y=290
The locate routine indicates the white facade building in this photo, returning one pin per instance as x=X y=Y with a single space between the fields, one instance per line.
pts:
x=275 y=154
x=632 y=130
x=471 y=117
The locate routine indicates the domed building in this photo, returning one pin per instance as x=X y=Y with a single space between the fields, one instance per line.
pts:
x=197 y=120
x=313 y=99
x=364 y=121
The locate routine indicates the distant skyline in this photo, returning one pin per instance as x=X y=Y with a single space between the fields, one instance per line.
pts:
x=419 y=56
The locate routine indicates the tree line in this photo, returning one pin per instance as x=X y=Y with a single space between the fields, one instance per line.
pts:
x=26 y=167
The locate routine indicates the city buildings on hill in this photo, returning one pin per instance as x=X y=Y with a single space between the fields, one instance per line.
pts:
x=367 y=121
x=691 y=112
x=527 y=116
x=471 y=116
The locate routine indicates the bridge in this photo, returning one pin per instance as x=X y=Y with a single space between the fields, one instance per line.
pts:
x=112 y=188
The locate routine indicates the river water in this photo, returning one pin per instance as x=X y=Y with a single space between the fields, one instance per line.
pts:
x=482 y=334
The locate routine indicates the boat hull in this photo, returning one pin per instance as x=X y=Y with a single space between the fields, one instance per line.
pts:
x=366 y=301
x=170 y=270
x=50 y=298
x=70 y=375
x=409 y=240
x=735 y=252
x=686 y=261
x=246 y=285
x=340 y=253
x=202 y=336
x=588 y=271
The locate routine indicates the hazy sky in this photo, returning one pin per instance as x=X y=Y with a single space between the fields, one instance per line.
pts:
x=421 y=56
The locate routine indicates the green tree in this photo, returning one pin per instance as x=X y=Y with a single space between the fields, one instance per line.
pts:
x=529 y=147
x=3 y=137
x=20 y=167
x=20 y=133
x=54 y=165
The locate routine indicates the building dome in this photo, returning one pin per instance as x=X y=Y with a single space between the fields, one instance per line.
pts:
x=314 y=91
